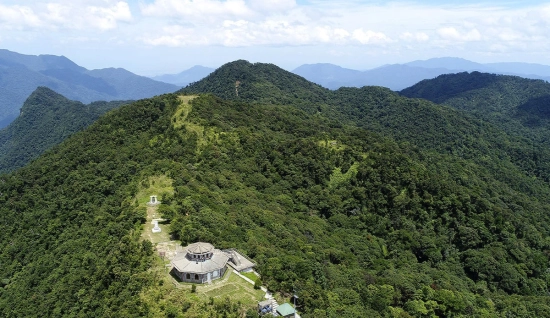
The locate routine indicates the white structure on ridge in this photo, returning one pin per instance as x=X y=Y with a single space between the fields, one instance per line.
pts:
x=153 y=201
x=156 y=228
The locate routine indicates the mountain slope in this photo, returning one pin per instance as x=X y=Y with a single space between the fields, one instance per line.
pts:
x=21 y=74
x=424 y=124
x=338 y=213
x=46 y=119
x=517 y=104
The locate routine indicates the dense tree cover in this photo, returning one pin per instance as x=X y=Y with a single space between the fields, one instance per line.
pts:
x=358 y=224
x=511 y=157
x=69 y=232
x=361 y=221
x=515 y=104
x=45 y=120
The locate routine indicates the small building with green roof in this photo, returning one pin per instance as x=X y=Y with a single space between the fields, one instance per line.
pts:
x=286 y=310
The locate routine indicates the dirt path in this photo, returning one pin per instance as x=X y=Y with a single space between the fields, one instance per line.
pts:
x=163 y=236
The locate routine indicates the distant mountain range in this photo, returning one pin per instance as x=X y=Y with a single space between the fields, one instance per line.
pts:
x=21 y=74
x=186 y=77
x=399 y=76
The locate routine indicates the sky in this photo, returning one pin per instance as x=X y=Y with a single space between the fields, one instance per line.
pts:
x=153 y=37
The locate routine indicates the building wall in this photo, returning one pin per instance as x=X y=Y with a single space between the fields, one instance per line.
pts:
x=198 y=278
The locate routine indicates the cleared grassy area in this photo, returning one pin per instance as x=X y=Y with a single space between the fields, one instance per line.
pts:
x=183 y=111
x=155 y=185
x=234 y=288
x=250 y=275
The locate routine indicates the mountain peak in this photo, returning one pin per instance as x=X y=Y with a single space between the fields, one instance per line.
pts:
x=257 y=82
x=42 y=96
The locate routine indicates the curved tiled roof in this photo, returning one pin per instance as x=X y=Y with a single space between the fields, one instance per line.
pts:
x=200 y=248
x=184 y=265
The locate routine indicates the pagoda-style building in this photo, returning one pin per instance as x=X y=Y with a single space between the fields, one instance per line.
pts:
x=201 y=263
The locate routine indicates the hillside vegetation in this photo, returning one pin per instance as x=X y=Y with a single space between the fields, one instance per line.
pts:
x=516 y=104
x=337 y=195
x=46 y=119
x=511 y=157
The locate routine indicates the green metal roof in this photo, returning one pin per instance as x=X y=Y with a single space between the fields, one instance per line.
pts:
x=285 y=309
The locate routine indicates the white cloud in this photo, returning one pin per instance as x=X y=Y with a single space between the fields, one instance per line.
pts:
x=18 y=17
x=452 y=34
x=416 y=37
x=271 y=6
x=65 y=15
x=106 y=18
x=197 y=10
x=370 y=37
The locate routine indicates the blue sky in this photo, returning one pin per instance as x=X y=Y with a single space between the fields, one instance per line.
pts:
x=167 y=36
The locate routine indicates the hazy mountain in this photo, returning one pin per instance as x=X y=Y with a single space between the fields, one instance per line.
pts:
x=191 y=75
x=328 y=75
x=368 y=204
x=394 y=77
x=399 y=76
x=522 y=68
x=46 y=119
x=21 y=74
x=450 y=63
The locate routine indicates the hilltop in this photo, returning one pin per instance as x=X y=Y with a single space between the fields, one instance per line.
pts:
x=260 y=83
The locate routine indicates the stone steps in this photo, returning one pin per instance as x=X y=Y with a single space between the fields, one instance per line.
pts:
x=274 y=305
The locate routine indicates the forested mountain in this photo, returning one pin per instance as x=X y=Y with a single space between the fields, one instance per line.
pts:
x=186 y=77
x=46 y=119
x=518 y=105
x=424 y=124
x=340 y=195
x=21 y=74
x=260 y=83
